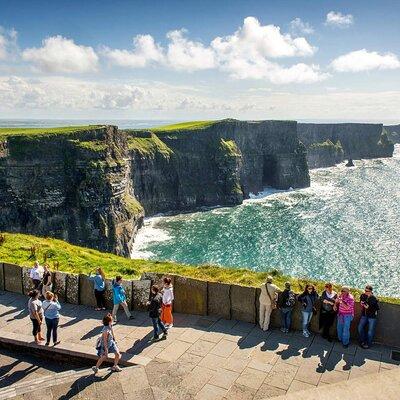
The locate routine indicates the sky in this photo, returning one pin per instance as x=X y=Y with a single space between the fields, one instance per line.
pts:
x=311 y=60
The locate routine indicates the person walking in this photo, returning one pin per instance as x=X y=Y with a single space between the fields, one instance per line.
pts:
x=308 y=299
x=119 y=299
x=286 y=302
x=369 y=316
x=107 y=344
x=47 y=284
x=99 y=281
x=155 y=307
x=167 y=299
x=36 y=274
x=268 y=297
x=345 y=306
x=327 y=313
x=36 y=314
x=51 y=309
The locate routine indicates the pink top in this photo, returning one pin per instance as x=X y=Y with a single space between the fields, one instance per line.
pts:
x=346 y=306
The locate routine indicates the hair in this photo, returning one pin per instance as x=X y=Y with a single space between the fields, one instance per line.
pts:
x=33 y=293
x=346 y=289
x=45 y=265
x=369 y=287
x=269 y=279
x=167 y=280
x=155 y=289
x=328 y=284
x=287 y=285
x=306 y=289
x=101 y=272
x=36 y=263
x=118 y=278
x=49 y=295
x=107 y=319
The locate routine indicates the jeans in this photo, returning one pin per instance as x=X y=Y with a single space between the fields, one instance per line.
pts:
x=343 y=328
x=158 y=325
x=326 y=319
x=307 y=315
x=52 y=325
x=286 y=317
x=367 y=337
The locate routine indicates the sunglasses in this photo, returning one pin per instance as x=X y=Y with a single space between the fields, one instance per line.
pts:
x=367 y=290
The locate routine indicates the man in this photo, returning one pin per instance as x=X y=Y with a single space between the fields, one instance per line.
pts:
x=369 y=314
x=268 y=296
x=154 y=306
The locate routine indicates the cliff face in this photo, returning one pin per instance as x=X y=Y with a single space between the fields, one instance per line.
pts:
x=357 y=141
x=393 y=132
x=217 y=165
x=73 y=186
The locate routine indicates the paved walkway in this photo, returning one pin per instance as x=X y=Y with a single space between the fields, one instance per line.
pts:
x=208 y=358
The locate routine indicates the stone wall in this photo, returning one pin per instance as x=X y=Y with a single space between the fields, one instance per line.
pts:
x=193 y=296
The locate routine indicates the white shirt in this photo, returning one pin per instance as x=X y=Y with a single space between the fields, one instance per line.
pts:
x=36 y=273
x=273 y=290
x=168 y=295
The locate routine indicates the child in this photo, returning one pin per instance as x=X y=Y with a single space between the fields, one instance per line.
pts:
x=167 y=299
x=119 y=298
x=155 y=305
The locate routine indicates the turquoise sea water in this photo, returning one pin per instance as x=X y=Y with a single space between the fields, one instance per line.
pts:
x=344 y=228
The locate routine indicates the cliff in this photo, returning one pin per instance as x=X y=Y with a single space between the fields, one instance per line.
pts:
x=393 y=132
x=357 y=141
x=219 y=163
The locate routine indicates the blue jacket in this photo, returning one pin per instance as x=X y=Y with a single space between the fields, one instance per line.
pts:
x=99 y=283
x=51 y=309
x=118 y=293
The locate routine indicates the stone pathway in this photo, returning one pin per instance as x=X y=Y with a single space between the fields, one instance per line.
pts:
x=206 y=358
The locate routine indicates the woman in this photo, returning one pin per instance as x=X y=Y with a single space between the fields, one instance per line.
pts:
x=327 y=315
x=308 y=299
x=106 y=344
x=46 y=280
x=51 y=309
x=36 y=275
x=369 y=314
x=35 y=314
x=167 y=299
x=119 y=298
x=155 y=305
x=345 y=306
x=99 y=281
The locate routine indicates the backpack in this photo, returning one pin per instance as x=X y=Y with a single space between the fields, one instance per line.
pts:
x=99 y=342
x=291 y=300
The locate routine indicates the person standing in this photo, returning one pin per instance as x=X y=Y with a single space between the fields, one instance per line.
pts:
x=167 y=299
x=268 y=297
x=47 y=284
x=345 y=306
x=106 y=344
x=369 y=314
x=35 y=314
x=308 y=299
x=51 y=309
x=99 y=280
x=119 y=299
x=286 y=302
x=155 y=306
x=327 y=313
x=36 y=275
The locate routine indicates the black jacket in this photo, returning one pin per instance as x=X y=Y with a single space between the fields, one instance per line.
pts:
x=155 y=306
x=372 y=310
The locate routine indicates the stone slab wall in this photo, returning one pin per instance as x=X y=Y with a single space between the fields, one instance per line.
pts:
x=12 y=278
x=1 y=277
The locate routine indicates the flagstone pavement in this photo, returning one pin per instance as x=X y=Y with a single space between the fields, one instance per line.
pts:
x=202 y=358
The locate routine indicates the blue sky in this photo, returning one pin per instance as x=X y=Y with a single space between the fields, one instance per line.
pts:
x=299 y=59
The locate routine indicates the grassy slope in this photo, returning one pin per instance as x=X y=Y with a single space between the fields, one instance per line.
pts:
x=184 y=126
x=17 y=249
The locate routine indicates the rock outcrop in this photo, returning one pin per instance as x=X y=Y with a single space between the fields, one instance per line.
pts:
x=357 y=141
x=393 y=132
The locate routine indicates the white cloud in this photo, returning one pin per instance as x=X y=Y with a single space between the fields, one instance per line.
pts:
x=338 y=19
x=363 y=60
x=8 y=43
x=145 y=51
x=298 y=26
x=62 y=55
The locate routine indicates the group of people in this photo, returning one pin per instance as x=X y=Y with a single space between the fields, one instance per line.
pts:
x=332 y=305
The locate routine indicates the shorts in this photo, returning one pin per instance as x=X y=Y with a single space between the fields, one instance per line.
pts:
x=113 y=348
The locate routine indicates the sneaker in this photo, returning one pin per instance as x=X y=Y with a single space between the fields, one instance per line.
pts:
x=56 y=343
x=47 y=343
x=116 y=368
x=95 y=370
x=345 y=346
x=131 y=317
x=155 y=338
x=306 y=334
x=287 y=331
x=283 y=330
x=365 y=346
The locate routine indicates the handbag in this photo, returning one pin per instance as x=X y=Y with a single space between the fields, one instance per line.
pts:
x=273 y=302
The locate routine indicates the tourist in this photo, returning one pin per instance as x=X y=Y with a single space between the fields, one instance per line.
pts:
x=327 y=313
x=107 y=344
x=46 y=280
x=36 y=314
x=155 y=306
x=308 y=299
x=345 y=306
x=119 y=299
x=36 y=274
x=286 y=302
x=369 y=314
x=268 y=297
x=99 y=280
x=167 y=299
x=51 y=309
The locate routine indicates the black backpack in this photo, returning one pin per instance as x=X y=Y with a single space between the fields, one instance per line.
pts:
x=290 y=300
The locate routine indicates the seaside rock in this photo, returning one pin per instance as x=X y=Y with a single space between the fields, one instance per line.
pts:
x=219 y=303
x=59 y=285
x=72 y=289
x=243 y=303
x=86 y=291
x=190 y=296
x=27 y=284
x=12 y=278
x=140 y=294
x=1 y=277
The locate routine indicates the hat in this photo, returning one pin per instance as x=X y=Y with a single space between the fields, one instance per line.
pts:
x=269 y=279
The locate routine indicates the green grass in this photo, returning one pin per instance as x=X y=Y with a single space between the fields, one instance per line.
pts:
x=149 y=146
x=17 y=249
x=230 y=148
x=190 y=125
x=328 y=144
